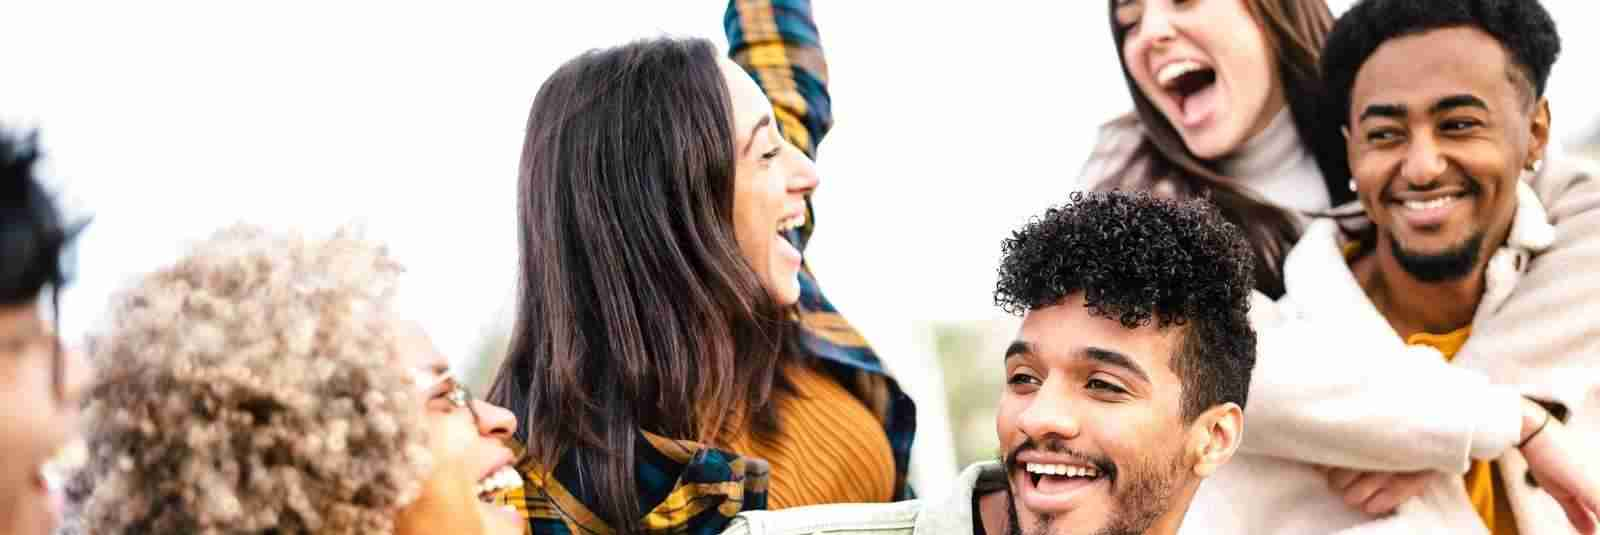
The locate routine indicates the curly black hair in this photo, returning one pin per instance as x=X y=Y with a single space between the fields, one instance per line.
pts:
x=1523 y=27
x=1142 y=260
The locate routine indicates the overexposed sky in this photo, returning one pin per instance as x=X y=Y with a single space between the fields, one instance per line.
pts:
x=955 y=122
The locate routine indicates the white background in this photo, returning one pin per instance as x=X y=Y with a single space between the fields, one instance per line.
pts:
x=955 y=122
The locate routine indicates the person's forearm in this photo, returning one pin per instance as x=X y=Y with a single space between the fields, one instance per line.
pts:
x=1320 y=396
x=776 y=41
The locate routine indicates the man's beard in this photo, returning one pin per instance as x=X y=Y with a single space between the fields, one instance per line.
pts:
x=1139 y=495
x=1451 y=264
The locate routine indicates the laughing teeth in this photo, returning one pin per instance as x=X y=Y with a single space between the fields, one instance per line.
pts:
x=1062 y=470
x=790 y=223
x=1429 y=204
x=501 y=480
x=1174 y=70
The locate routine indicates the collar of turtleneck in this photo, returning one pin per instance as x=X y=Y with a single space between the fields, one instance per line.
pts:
x=1276 y=165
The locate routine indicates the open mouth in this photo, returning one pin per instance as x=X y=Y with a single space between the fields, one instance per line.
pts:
x=1057 y=488
x=1432 y=204
x=50 y=478
x=789 y=224
x=1045 y=476
x=1428 y=210
x=789 y=227
x=495 y=489
x=1191 y=85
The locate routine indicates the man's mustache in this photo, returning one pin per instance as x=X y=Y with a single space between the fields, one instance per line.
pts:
x=1059 y=447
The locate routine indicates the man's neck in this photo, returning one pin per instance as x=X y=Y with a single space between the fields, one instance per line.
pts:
x=1412 y=306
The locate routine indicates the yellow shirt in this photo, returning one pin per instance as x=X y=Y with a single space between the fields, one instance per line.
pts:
x=1483 y=479
x=829 y=449
x=1483 y=482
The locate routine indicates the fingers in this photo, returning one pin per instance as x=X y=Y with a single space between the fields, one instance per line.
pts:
x=1577 y=514
x=1340 y=479
x=1590 y=497
x=1364 y=488
x=1401 y=487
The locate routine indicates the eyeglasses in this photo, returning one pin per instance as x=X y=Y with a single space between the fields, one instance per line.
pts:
x=456 y=393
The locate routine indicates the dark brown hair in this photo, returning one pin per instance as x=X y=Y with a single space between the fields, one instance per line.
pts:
x=637 y=311
x=1295 y=31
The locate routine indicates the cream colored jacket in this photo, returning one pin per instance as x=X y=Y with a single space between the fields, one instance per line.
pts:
x=1335 y=385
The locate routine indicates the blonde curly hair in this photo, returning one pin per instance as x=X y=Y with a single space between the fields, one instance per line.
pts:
x=252 y=387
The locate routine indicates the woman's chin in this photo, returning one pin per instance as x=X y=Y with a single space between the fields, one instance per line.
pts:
x=1210 y=144
x=785 y=290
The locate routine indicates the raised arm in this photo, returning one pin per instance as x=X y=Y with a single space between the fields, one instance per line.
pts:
x=1324 y=393
x=776 y=42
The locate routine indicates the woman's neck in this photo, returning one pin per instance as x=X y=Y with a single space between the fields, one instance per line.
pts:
x=1276 y=165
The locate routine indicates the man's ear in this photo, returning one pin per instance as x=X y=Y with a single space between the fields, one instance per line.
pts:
x=1539 y=131
x=1214 y=436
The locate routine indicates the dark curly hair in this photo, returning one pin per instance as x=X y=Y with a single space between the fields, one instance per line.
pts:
x=1143 y=260
x=1523 y=27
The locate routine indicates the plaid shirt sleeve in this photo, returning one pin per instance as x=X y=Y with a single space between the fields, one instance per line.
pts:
x=776 y=41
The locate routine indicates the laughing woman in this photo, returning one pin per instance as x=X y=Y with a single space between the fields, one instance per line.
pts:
x=1229 y=102
x=263 y=383
x=672 y=359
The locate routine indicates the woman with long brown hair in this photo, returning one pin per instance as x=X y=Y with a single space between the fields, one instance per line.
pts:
x=1229 y=103
x=671 y=360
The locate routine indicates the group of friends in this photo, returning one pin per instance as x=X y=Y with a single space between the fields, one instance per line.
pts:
x=1357 y=225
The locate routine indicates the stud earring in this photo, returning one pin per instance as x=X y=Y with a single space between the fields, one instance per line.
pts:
x=1352 y=185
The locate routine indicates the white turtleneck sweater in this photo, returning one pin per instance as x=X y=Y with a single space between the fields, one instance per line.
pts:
x=1273 y=164
x=1276 y=165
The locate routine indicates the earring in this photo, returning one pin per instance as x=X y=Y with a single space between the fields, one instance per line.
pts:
x=1352 y=185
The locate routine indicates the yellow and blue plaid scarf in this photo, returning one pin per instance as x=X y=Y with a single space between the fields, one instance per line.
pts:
x=690 y=488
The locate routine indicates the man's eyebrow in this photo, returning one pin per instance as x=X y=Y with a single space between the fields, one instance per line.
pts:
x=1113 y=358
x=1458 y=101
x=1019 y=347
x=1391 y=111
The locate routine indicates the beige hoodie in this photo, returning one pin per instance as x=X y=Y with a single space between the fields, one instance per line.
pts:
x=1335 y=385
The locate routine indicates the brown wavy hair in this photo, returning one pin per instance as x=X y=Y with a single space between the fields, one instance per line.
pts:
x=251 y=388
x=637 y=312
x=1295 y=32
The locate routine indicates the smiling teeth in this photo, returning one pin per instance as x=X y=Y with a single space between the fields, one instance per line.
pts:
x=1062 y=470
x=790 y=223
x=1173 y=70
x=501 y=480
x=1429 y=204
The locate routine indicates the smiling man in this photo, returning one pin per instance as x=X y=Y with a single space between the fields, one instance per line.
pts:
x=1439 y=404
x=1446 y=123
x=1124 y=385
